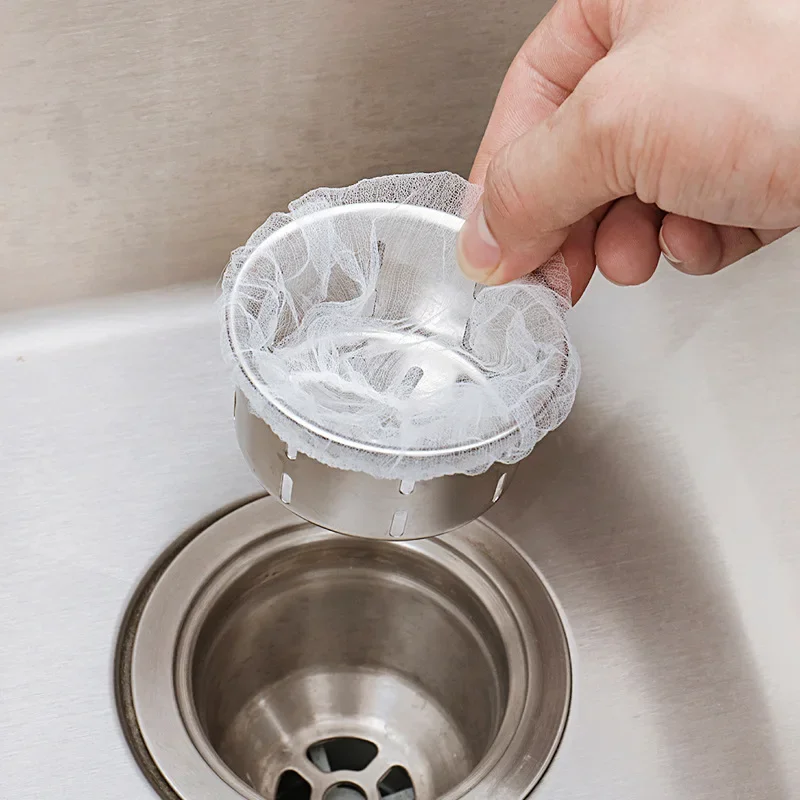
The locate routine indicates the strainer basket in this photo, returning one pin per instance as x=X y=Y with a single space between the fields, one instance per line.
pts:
x=379 y=392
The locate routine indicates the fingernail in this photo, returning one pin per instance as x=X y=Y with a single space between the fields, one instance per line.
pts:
x=665 y=250
x=477 y=251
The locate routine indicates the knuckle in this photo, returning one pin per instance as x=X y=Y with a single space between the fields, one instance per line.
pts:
x=609 y=119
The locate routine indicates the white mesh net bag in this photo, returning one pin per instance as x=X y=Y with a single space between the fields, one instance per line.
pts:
x=354 y=335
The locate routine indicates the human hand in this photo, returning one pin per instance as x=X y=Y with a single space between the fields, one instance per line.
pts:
x=627 y=128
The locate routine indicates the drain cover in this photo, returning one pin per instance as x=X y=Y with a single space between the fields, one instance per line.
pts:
x=269 y=659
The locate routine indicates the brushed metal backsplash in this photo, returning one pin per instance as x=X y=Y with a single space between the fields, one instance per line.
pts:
x=141 y=142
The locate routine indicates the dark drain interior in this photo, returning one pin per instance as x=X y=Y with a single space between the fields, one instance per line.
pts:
x=292 y=786
x=345 y=754
x=396 y=783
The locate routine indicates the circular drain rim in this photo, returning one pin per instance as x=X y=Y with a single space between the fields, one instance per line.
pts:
x=180 y=770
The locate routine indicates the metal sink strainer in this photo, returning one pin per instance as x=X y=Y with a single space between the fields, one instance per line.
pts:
x=379 y=392
x=267 y=658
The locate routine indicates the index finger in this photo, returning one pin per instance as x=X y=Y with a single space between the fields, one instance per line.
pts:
x=573 y=36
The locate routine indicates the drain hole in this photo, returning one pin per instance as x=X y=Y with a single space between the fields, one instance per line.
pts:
x=345 y=791
x=286 y=488
x=396 y=785
x=410 y=381
x=292 y=786
x=398 y=526
x=342 y=753
x=499 y=488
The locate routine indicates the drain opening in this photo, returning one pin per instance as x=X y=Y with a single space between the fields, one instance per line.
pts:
x=345 y=791
x=292 y=786
x=286 y=488
x=342 y=753
x=410 y=381
x=489 y=582
x=398 y=526
x=396 y=785
x=499 y=488
x=407 y=486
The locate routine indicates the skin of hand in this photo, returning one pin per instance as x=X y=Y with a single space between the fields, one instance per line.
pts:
x=628 y=128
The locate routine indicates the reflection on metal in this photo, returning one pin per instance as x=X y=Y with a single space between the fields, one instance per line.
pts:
x=269 y=656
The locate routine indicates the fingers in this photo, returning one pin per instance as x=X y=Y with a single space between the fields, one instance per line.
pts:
x=690 y=245
x=539 y=185
x=518 y=211
x=578 y=251
x=579 y=256
x=627 y=246
x=570 y=39
x=700 y=248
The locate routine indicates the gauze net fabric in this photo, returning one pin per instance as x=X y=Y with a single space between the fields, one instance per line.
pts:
x=356 y=338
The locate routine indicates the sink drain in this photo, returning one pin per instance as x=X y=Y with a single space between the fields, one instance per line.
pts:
x=346 y=754
x=268 y=659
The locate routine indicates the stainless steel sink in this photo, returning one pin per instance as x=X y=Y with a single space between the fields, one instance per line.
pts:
x=663 y=515
x=139 y=145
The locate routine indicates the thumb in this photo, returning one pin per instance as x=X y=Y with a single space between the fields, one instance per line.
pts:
x=538 y=186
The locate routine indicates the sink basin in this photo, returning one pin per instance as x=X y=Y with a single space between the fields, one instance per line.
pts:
x=663 y=516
